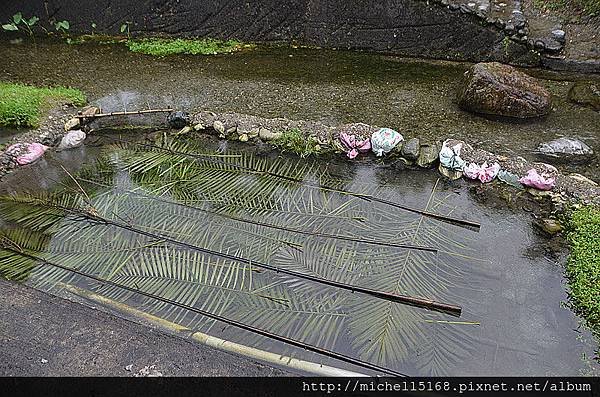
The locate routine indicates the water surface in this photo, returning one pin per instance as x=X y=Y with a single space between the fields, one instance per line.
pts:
x=507 y=278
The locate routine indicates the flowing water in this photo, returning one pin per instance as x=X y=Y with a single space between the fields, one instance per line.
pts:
x=506 y=278
x=416 y=97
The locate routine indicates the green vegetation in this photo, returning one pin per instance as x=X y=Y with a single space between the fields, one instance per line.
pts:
x=24 y=23
x=163 y=47
x=584 y=7
x=294 y=141
x=583 y=267
x=23 y=105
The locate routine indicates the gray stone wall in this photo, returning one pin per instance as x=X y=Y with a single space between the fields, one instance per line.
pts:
x=403 y=27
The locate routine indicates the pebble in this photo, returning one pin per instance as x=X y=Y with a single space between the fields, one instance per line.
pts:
x=219 y=127
x=73 y=123
x=551 y=226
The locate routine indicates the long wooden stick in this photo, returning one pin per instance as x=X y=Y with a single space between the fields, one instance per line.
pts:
x=132 y=113
x=429 y=304
x=233 y=323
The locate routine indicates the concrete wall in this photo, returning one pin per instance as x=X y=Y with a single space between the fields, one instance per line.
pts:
x=403 y=27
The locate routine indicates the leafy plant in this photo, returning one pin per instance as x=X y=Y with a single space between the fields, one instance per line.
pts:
x=23 y=105
x=295 y=141
x=506 y=44
x=18 y=20
x=62 y=26
x=164 y=47
x=125 y=28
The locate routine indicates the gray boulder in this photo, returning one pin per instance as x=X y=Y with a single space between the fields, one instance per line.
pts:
x=497 y=89
x=568 y=150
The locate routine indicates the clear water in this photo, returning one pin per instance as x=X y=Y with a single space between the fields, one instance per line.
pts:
x=506 y=277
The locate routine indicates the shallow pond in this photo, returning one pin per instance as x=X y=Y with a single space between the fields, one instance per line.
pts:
x=508 y=282
x=415 y=96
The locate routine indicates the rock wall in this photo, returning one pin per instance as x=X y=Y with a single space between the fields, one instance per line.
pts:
x=404 y=27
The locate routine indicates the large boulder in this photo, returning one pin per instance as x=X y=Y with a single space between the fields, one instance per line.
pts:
x=497 y=89
x=567 y=150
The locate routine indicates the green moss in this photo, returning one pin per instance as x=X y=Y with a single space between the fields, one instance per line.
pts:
x=163 y=47
x=584 y=7
x=294 y=141
x=23 y=105
x=583 y=267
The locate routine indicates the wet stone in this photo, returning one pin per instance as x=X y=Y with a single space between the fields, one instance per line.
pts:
x=73 y=123
x=550 y=226
x=219 y=127
x=428 y=156
x=498 y=89
x=267 y=135
x=558 y=35
x=568 y=150
x=410 y=149
x=178 y=120
x=586 y=93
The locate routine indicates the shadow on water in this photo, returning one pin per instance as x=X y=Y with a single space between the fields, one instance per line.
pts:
x=512 y=323
x=415 y=96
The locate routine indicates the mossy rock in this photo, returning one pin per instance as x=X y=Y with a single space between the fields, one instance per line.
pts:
x=586 y=93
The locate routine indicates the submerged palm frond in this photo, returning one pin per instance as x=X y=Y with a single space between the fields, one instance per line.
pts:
x=165 y=196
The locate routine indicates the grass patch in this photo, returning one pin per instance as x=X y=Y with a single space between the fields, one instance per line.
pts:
x=23 y=105
x=295 y=141
x=163 y=47
x=584 y=7
x=583 y=266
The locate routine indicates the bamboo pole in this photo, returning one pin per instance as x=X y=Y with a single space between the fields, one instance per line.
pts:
x=218 y=343
x=225 y=320
x=125 y=113
x=444 y=218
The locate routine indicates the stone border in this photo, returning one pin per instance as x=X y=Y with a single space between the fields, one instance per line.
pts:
x=570 y=190
x=49 y=133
